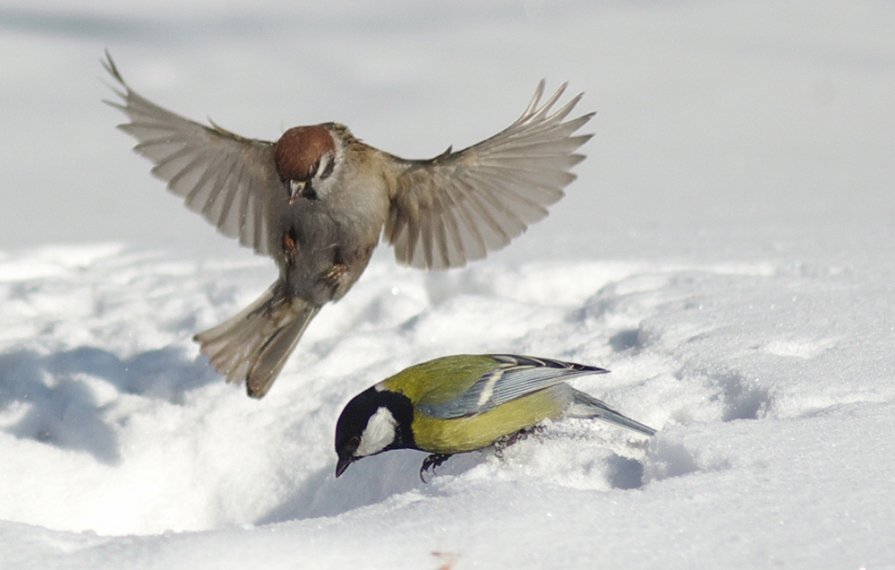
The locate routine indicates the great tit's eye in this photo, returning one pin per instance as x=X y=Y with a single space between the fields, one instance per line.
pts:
x=353 y=443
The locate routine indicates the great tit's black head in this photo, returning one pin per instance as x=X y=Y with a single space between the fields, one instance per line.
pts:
x=374 y=421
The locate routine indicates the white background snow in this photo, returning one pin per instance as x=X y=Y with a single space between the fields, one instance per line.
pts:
x=728 y=251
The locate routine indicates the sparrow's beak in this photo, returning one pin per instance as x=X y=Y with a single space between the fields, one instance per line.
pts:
x=343 y=464
x=296 y=188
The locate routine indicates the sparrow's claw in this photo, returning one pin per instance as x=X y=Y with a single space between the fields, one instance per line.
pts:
x=335 y=273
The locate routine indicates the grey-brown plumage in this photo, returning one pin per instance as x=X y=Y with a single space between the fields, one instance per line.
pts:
x=318 y=199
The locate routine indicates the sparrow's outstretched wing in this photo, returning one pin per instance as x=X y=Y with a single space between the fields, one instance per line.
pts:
x=460 y=205
x=229 y=179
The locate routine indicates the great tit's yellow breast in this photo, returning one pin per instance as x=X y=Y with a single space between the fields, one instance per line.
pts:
x=475 y=432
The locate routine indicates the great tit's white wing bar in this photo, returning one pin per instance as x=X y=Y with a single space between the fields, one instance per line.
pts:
x=462 y=204
x=514 y=377
x=229 y=179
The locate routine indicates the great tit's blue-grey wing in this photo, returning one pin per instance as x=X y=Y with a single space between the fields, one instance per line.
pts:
x=460 y=205
x=229 y=179
x=513 y=377
x=586 y=406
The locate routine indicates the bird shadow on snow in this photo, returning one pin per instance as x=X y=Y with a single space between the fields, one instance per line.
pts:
x=392 y=479
x=65 y=399
x=373 y=481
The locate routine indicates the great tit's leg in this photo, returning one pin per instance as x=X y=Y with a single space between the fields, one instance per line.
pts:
x=432 y=462
x=508 y=440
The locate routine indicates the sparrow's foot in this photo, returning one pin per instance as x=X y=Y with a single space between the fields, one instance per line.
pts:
x=334 y=275
x=432 y=462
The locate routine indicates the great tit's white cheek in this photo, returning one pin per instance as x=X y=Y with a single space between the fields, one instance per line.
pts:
x=379 y=433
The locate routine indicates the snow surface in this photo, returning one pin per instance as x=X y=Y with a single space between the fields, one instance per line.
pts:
x=728 y=252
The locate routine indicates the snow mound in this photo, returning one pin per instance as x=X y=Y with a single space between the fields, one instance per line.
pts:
x=748 y=371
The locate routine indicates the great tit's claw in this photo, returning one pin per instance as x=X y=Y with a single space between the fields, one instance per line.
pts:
x=432 y=462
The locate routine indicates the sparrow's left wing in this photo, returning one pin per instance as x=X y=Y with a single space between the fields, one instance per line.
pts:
x=460 y=205
x=229 y=179
x=514 y=377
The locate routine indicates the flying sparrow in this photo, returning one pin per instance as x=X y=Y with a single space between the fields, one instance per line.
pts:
x=318 y=199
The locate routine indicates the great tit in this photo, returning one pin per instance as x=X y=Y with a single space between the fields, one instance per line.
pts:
x=462 y=403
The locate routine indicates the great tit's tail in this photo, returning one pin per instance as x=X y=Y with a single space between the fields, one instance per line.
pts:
x=586 y=406
x=254 y=345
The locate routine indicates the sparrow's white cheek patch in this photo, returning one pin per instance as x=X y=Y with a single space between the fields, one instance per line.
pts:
x=379 y=433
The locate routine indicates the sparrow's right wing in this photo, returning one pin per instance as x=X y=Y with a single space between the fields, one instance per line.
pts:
x=230 y=180
x=461 y=205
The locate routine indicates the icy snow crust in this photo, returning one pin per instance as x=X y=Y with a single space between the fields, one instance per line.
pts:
x=728 y=252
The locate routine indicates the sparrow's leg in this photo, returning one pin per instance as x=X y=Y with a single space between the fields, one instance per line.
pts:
x=432 y=462
x=290 y=246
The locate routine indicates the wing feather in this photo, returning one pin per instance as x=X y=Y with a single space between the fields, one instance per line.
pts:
x=220 y=205
x=514 y=377
x=468 y=234
x=460 y=205
x=191 y=173
x=229 y=179
x=454 y=247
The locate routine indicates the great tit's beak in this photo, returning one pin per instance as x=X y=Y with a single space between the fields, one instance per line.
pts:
x=343 y=464
x=296 y=188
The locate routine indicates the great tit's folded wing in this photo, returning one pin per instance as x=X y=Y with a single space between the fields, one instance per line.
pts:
x=229 y=179
x=462 y=204
x=515 y=376
x=586 y=406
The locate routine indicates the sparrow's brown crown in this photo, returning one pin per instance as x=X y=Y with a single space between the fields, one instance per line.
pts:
x=298 y=152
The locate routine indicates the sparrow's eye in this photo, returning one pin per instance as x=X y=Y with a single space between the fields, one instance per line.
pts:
x=328 y=169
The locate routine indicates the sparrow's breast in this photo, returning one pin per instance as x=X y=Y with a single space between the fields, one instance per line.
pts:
x=326 y=245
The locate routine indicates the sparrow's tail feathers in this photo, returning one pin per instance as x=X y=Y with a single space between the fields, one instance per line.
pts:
x=586 y=406
x=254 y=345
